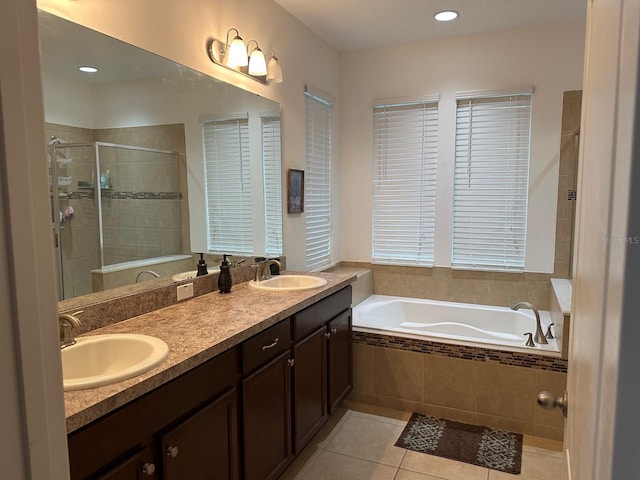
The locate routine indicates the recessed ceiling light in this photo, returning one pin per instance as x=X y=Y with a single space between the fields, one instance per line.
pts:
x=87 y=69
x=446 y=15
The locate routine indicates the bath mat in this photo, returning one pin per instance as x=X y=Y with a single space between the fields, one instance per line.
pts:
x=487 y=447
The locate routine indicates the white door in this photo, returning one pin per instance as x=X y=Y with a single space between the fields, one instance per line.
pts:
x=605 y=247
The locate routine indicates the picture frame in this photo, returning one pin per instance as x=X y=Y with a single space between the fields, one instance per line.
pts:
x=295 y=191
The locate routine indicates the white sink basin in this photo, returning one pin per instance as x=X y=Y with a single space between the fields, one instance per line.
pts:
x=192 y=274
x=103 y=359
x=284 y=283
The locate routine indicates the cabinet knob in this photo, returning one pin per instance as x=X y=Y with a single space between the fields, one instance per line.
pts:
x=148 y=468
x=291 y=362
x=334 y=330
x=172 y=452
x=328 y=335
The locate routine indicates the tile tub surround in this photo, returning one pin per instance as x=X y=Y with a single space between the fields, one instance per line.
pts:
x=561 y=312
x=465 y=286
x=478 y=391
x=362 y=287
x=195 y=330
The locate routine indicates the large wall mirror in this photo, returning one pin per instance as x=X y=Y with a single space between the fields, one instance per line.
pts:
x=131 y=152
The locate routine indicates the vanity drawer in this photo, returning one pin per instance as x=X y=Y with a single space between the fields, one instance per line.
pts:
x=309 y=319
x=266 y=345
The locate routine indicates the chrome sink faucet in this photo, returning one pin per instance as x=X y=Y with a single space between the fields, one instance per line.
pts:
x=539 y=336
x=263 y=270
x=67 y=322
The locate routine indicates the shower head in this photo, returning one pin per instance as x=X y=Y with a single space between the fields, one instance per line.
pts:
x=56 y=141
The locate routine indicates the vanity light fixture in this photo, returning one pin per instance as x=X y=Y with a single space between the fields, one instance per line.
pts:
x=248 y=60
x=446 y=15
x=87 y=69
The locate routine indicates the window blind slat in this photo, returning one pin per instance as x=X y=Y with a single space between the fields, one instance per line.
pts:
x=317 y=182
x=404 y=170
x=491 y=177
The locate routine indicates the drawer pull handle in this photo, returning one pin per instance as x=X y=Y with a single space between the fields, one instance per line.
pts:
x=172 y=452
x=267 y=347
x=148 y=468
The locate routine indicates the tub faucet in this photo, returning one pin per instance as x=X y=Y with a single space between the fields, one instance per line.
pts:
x=263 y=270
x=150 y=272
x=539 y=336
x=67 y=322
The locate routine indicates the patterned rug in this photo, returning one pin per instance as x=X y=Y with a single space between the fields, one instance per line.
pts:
x=478 y=445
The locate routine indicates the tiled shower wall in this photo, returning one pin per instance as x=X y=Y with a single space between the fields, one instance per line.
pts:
x=148 y=220
x=569 y=143
x=79 y=238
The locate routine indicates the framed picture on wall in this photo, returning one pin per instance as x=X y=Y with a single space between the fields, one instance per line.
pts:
x=295 y=191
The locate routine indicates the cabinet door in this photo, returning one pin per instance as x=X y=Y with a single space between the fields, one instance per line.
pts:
x=340 y=359
x=266 y=410
x=205 y=446
x=139 y=466
x=309 y=387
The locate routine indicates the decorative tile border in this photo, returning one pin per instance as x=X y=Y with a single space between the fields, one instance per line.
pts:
x=89 y=194
x=527 y=360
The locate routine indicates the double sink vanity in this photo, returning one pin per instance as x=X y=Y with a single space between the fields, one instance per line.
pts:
x=247 y=380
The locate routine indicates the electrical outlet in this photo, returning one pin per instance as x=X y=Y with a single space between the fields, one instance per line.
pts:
x=185 y=291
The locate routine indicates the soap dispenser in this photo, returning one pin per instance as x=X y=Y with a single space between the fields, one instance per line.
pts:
x=224 y=277
x=202 y=267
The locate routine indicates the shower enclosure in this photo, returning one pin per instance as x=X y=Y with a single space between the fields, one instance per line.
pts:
x=110 y=204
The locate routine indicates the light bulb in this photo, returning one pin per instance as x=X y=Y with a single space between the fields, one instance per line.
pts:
x=257 y=63
x=237 y=54
x=274 y=71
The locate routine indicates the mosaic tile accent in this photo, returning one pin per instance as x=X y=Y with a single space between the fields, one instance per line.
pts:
x=516 y=359
x=89 y=194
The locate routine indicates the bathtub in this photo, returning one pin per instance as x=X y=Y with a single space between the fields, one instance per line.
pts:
x=483 y=326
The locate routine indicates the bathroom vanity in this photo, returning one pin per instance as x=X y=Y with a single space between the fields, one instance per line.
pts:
x=242 y=403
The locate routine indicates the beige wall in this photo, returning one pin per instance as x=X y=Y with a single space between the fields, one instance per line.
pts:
x=549 y=57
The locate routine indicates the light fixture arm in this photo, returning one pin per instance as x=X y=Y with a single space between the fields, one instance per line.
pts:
x=256 y=47
x=226 y=45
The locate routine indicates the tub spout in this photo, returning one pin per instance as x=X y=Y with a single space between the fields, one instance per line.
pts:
x=539 y=335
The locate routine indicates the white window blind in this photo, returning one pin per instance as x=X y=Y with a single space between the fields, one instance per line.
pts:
x=317 y=182
x=228 y=175
x=271 y=163
x=491 y=182
x=404 y=182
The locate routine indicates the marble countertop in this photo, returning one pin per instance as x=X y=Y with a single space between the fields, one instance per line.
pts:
x=195 y=330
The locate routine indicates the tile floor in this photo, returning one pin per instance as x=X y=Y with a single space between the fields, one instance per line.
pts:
x=358 y=444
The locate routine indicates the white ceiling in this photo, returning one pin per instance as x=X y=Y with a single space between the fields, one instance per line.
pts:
x=357 y=24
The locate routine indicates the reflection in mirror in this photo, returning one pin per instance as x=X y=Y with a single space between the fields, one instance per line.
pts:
x=134 y=184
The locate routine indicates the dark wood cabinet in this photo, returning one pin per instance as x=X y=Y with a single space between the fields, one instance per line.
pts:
x=309 y=386
x=340 y=370
x=266 y=419
x=141 y=465
x=243 y=414
x=118 y=445
x=204 y=446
